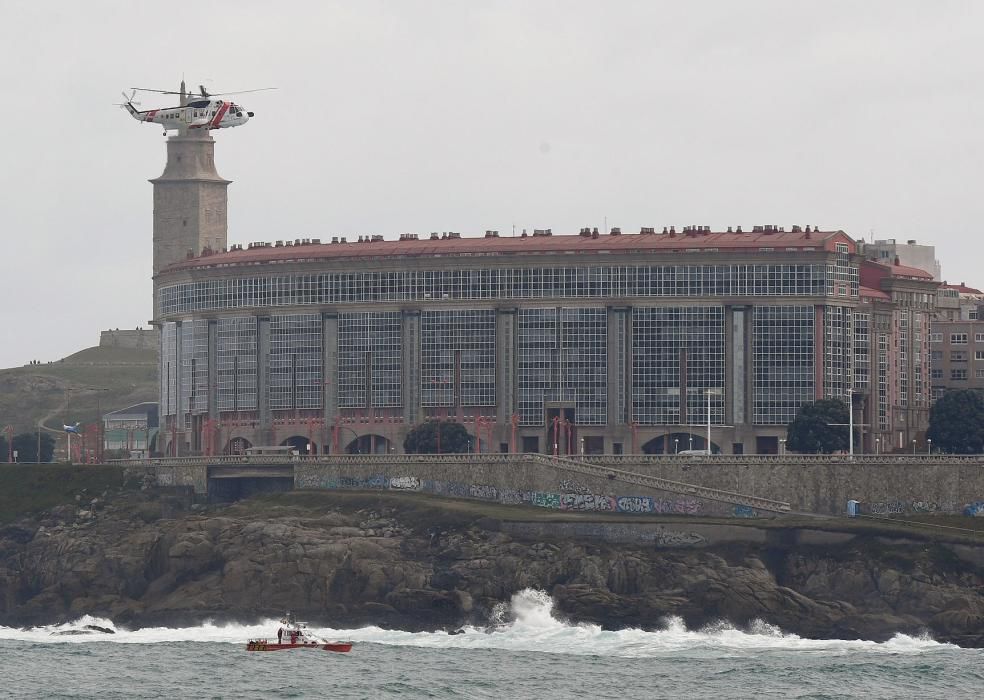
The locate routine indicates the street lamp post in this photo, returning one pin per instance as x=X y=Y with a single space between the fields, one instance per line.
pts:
x=782 y=446
x=691 y=438
x=929 y=446
x=913 y=446
x=676 y=445
x=877 y=446
x=850 y=423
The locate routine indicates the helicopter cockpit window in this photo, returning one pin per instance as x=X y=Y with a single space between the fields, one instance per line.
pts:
x=198 y=104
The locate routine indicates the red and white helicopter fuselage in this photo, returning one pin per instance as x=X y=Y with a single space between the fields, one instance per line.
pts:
x=198 y=113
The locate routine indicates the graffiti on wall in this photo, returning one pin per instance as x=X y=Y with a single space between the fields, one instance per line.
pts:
x=484 y=492
x=680 y=506
x=572 y=486
x=678 y=538
x=634 y=504
x=569 y=501
x=974 y=510
x=512 y=497
x=745 y=512
x=405 y=483
x=587 y=502
x=886 y=508
x=545 y=500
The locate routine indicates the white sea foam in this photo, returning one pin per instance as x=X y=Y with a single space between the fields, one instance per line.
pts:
x=528 y=624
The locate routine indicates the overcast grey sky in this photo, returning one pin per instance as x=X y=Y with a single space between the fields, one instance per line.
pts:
x=465 y=116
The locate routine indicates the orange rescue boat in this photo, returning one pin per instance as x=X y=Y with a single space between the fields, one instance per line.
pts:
x=294 y=635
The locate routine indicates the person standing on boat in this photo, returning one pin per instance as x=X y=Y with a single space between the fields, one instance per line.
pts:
x=280 y=636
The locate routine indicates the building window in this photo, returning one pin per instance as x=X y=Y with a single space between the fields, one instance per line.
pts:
x=936 y=356
x=936 y=373
x=457 y=358
x=370 y=354
x=936 y=337
x=958 y=339
x=563 y=357
x=194 y=366
x=958 y=356
x=979 y=337
x=294 y=368
x=842 y=248
x=959 y=375
x=979 y=373
x=979 y=354
x=677 y=345
x=581 y=282
x=235 y=362
x=783 y=358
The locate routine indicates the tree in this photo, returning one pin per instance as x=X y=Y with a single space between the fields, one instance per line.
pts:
x=956 y=422
x=425 y=438
x=812 y=429
x=26 y=447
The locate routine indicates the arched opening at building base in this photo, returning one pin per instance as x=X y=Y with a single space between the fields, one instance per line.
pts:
x=369 y=445
x=676 y=443
x=236 y=446
x=302 y=444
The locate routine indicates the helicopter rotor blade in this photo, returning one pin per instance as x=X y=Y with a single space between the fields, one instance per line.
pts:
x=162 y=92
x=204 y=91
x=241 y=92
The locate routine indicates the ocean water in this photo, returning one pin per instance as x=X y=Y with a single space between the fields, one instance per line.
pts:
x=530 y=654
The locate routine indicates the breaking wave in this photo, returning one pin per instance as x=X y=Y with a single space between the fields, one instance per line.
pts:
x=526 y=624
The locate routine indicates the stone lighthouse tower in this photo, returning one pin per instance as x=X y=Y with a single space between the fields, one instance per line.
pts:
x=190 y=198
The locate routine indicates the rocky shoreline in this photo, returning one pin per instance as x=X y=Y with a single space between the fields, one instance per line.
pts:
x=146 y=558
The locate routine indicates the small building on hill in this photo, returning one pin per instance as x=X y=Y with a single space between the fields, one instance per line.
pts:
x=131 y=429
x=134 y=339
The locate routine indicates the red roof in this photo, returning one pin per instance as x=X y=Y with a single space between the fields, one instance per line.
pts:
x=873 y=272
x=962 y=288
x=869 y=293
x=517 y=245
x=906 y=271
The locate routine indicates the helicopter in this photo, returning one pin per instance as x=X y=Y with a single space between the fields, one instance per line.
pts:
x=202 y=111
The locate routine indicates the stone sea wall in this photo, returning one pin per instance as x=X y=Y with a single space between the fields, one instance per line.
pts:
x=542 y=488
x=890 y=487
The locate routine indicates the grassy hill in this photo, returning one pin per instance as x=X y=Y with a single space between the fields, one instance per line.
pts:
x=76 y=388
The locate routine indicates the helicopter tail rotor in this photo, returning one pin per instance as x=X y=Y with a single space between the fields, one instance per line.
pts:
x=129 y=105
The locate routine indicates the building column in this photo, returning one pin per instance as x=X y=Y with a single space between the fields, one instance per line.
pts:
x=737 y=370
x=329 y=373
x=411 y=367
x=505 y=367
x=180 y=419
x=265 y=431
x=617 y=363
x=213 y=370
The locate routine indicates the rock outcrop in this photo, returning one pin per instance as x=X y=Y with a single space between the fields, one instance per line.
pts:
x=352 y=559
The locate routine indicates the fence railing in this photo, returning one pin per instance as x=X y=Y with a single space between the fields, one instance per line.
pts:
x=605 y=460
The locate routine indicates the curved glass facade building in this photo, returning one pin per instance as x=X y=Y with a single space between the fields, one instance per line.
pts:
x=595 y=343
